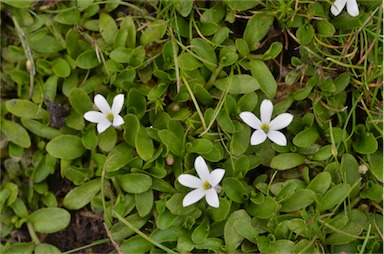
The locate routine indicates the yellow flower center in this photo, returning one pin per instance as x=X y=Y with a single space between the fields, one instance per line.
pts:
x=265 y=127
x=110 y=117
x=206 y=185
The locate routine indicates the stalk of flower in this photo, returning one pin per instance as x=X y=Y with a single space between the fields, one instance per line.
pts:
x=207 y=184
x=352 y=7
x=108 y=115
x=265 y=128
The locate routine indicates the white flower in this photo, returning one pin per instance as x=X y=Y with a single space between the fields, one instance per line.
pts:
x=267 y=128
x=352 y=7
x=207 y=185
x=108 y=116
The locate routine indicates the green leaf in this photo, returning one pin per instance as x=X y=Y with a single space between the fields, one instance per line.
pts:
x=325 y=28
x=234 y=190
x=264 y=77
x=247 y=102
x=341 y=82
x=221 y=34
x=201 y=146
x=174 y=204
x=171 y=141
x=287 y=160
x=19 y=3
x=120 y=156
x=183 y=6
x=26 y=109
x=240 y=5
x=266 y=209
x=136 y=244
x=281 y=246
x=200 y=233
x=22 y=248
x=46 y=44
x=376 y=164
x=61 y=68
x=67 y=147
x=299 y=200
x=132 y=127
x=240 y=141
x=135 y=182
x=128 y=23
x=108 y=28
x=44 y=248
x=89 y=138
x=68 y=17
x=121 y=55
x=204 y=51
x=213 y=14
x=15 y=133
x=136 y=104
x=246 y=229
x=334 y=196
x=107 y=139
x=87 y=60
x=238 y=84
x=80 y=101
x=231 y=237
x=188 y=62
x=273 y=51
x=155 y=32
x=305 y=33
x=144 y=202
x=50 y=87
x=256 y=29
x=220 y=213
x=144 y=144
x=306 y=137
x=365 y=143
x=321 y=183
x=80 y=196
x=49 y=220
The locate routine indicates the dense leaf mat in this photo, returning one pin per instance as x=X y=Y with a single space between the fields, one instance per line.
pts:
x=184 y=126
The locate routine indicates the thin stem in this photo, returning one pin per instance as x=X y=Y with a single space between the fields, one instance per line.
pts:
x=137 y=231
x=101 y=241
x=195 y=102
x=32 y=233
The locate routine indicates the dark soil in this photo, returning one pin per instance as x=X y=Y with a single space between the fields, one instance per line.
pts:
x=85 y=228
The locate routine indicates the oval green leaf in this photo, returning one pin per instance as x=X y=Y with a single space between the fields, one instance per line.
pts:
x=238 y=84
x=49 y=220
x=135 y=182
x=67 y=147
x=287 y=160
x=80 y=196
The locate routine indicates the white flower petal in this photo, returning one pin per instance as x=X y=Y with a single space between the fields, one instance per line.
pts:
x=281 y=121
x=212 y=198
x=216 y=176
x=338 y=6
x=202 y=168
x=102 y=104
x=277 y=137
x=94 y=116
x=258 y=137
x=117 y=120
x=103 y=125
x=352 y=8
x=266 y=109
x=251 y=120
x=193 y=196
x=190 y=181
x=117 y=104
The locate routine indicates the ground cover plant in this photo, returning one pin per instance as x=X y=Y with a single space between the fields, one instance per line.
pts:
x=178 y=126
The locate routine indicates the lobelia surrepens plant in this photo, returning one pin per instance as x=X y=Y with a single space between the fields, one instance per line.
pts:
x=188 y=101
